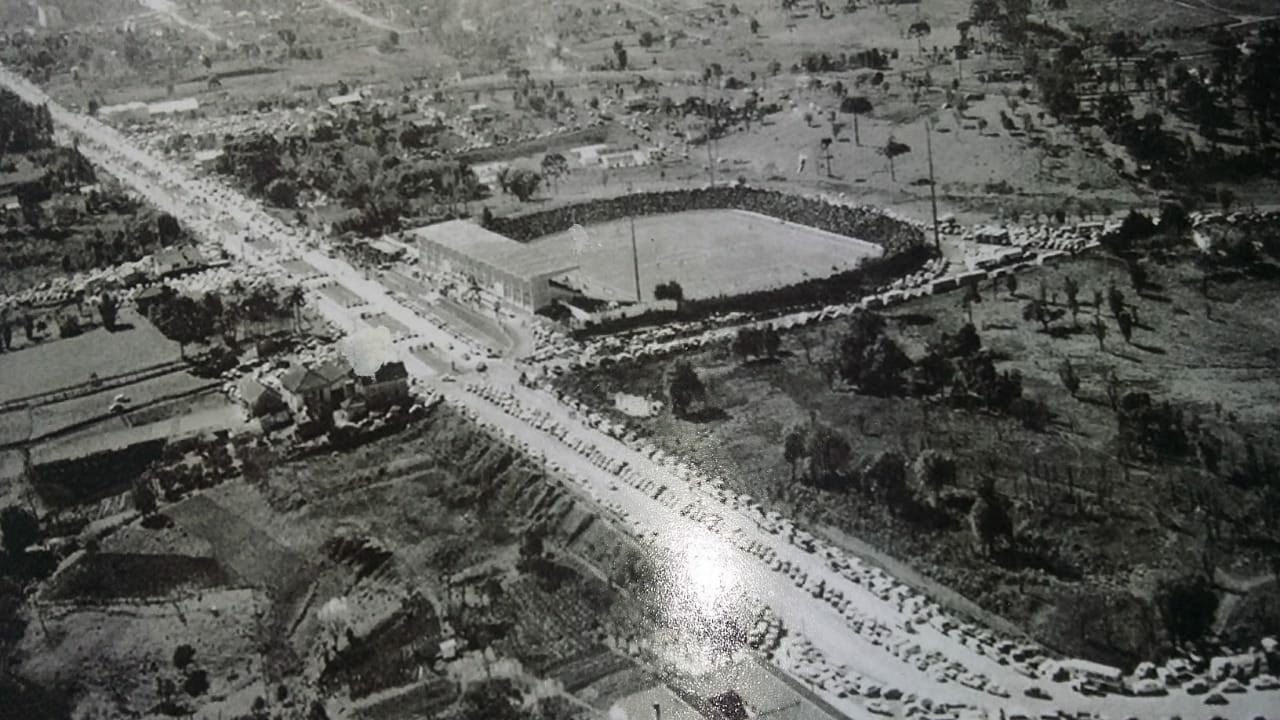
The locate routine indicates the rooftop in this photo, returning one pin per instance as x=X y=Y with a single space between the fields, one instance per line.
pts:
x=497 y=251
x=165 y=107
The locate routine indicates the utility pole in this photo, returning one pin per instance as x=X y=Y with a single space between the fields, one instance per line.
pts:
x=706 y=107
x=635 y=257
x=933 y=187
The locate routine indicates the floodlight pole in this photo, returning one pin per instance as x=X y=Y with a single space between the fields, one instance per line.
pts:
x=933 y=188
x=635 y=257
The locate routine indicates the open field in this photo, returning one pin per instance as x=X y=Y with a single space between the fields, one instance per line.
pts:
x=709 y=252
x=1079 y=550
x=56 y=362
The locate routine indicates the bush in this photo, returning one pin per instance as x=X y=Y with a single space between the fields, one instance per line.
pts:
x=1188 y=606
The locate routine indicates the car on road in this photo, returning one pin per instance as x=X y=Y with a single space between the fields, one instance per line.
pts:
x=120 y=403
x=1035 y=691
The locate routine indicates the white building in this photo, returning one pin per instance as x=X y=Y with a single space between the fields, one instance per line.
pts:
x=182 y=106
x=511 y=270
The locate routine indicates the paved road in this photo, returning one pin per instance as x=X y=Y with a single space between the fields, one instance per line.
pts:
x=209 y=208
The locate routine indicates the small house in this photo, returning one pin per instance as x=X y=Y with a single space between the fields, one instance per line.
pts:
x=317 y=391
x=354 y=98
x=388 y=386
x=10 y=208
x=178 y=261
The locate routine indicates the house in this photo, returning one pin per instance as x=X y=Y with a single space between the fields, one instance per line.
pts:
x=181 y=106
x=10 y=207
x=354 y=98
x=259 y=399
x=132 y=112
x=388 y=386
x=263 y=403
x=317 y=391
x=177 y=261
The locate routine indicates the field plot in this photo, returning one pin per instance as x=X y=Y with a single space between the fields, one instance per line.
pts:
x=709 y=252
x=341 y=295
x=301 y=268
x=57 y=363
x=396 y=327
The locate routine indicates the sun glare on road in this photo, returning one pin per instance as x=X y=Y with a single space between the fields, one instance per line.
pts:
x=709 y=575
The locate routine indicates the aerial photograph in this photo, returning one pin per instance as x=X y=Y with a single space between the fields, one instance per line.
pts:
x=640 y=359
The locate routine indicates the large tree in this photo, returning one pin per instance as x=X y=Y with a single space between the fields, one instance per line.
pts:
x=684 y=388
x=19 y=527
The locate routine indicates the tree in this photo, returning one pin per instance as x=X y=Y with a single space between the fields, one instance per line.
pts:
x=491 y=700
x=989 y=518
x=1226 y=198
x=754 y=26
x=19 y=527
x=1124 y=321
x=1070 y=380
x=1188 y=606
x=554 y=166
x=919 y=30
x=108 y=308
x=1011 y=282
x=143 y=494
x=828 y=452
x=1072 y=290
x=183 y=655
x=1099 y=330
x=670 y=290
x=620 y=55
x=891 y=150
x=532 y=544
x=182 y=320
x=856 y=105
x=933 y=472
x=794 y=448
x=1115 y=300
x=1037 y=311
x=523 y=183
x=971 y=295
x=965 y=343
x=168 y=228
x=282 y=192
x=1111 y=383
x=295 y=299
x=684 y=388
x=885 y=475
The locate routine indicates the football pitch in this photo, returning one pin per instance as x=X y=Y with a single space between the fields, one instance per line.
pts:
x=709 y=252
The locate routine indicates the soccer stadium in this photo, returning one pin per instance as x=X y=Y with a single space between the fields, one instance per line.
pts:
x=714 y=242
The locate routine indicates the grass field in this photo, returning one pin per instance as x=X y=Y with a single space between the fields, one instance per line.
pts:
x=57 y=363
x=709 y=252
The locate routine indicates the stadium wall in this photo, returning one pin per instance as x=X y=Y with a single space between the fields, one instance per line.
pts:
x=861 y=222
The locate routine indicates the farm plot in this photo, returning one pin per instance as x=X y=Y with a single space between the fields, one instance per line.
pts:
x=709 y=252
x=396 y=327
x=341 y=295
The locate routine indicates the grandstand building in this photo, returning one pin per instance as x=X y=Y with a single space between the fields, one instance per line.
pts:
x=509 y=269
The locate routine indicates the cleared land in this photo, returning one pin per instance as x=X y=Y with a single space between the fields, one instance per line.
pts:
x=709 y=252
x=56 y=363
x=1095 y=534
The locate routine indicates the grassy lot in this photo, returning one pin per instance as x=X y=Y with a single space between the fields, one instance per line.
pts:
x=709 y=252
x=1091 y=529
x=56 y=363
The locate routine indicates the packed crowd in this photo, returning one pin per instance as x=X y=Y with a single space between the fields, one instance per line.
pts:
x=862 y=222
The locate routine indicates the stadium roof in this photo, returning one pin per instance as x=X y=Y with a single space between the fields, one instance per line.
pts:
x=497 y=251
